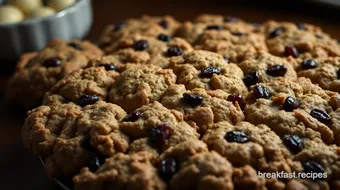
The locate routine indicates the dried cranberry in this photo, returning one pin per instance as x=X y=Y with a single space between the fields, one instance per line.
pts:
x=214 y=27
x=159 y=134
x=174 y=51
x=261 y=92
x=276 y=32
x=95 y=163
x=87 y=100
x=86 y=144
x=75 y=46
x=226 y=59
x=321 y=116
x=117 y=27
x=168 y=167
x=210 y=71
x=164 y=37
x=291 y=51
x=290 y=104
x=277 y=70
x=163 y=24
x=52 y=62
x=237 y=98
x=294 y=143
x=238 y=33
x=319 y=36
x=312 y=167
x=107 y=67
x=309 y=64
x=192 y=99
x=141 y=45
x=236 y=136
x=251 y=78
x=230 y=19
x=132 y=117
x=301 y=26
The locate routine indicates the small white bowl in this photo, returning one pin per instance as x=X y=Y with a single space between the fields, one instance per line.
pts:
x=33 y=35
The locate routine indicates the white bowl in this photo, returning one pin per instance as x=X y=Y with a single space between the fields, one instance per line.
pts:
x=33 y=35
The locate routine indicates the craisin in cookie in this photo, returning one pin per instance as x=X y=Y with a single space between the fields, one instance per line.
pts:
x=246 y=144
x=140 y=85
x=208 y=70
x=298 y=40
x=264 y=67
x=160 y=48
x=81 y=86
x=192 y=30
x=323 y=71
x=145 y=25
x=203 y=108
x=292 y=107
x=38 y=73
x=122 y=172
x=68 y=137
x=162 y=127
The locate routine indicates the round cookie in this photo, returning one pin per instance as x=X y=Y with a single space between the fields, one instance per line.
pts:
x=163 y=127
x=67 y=136
x=145 y=25
x=231 y=45
x=192 y=30
x=37 y=73
x=245 y=144
x=141 y=85
x=264 y=67
x=292 y=107
x=322 y=71
x=121 y=60
x=205 y=170
x=203 y=108
x=122 y=172
x=298 y=40
x=81 y=86
x=208 y=70
x=160 y=49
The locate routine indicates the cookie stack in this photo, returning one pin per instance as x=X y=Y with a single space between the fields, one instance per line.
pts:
x=206 y=104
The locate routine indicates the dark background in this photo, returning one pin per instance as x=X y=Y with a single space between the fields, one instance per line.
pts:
x=20 y=170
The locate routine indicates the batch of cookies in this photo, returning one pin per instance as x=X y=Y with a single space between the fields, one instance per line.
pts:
x=205 y=104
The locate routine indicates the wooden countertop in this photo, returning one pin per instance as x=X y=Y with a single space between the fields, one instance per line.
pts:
x=20 y=170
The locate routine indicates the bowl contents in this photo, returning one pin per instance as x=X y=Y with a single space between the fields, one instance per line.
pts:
x=10 y=14
x=212 y=103
x=18 y=10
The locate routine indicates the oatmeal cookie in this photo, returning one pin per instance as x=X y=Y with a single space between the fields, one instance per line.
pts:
x=292 y=107
x=145 y=25
x=39 y=72
x=67 y=136
x=203 y=108
x=298 y=40
x=139 y=86
x=82 y=85
x=122 y=172
x=264 y=67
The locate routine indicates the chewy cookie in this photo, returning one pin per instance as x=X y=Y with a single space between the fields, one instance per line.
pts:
x=208 y=70
x=298 y=40
x=38 y=72
x=146 y=26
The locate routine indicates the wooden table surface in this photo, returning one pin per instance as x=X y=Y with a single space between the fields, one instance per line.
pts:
x=20 y=170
